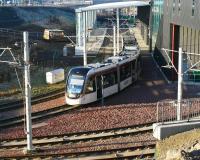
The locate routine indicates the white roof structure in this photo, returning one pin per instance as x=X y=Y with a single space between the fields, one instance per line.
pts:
x=113 y=5
x=86 y=18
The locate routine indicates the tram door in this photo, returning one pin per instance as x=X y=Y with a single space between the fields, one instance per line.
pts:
x=99 y=87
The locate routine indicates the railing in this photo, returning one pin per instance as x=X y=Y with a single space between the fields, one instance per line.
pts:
x=167 y=110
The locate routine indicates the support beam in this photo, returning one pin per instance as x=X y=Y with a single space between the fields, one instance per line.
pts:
x=180 y=82
x=117 y=30
x=27 y=92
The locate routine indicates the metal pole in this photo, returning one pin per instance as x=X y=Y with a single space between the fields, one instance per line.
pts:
x=180 y=81
x=27 y=92
x=78 y=26
x=84 y=40
x=86 y=24
x=102 y=91
x=114 y=40
x=89 y=22
x=134 y=16
x=54 y=57
x=117 y=30
x=122 y=42
x=150 y=26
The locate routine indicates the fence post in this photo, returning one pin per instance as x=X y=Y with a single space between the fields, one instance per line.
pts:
x=157 y=111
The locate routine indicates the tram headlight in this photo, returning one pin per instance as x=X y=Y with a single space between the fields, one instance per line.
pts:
x=73 y=95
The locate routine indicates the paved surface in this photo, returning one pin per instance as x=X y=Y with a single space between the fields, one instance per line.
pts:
x=151 y=86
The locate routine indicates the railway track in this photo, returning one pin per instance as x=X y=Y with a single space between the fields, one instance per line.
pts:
x=35 y=100
x=37 y=115
x=134 y=152
x=146 y=150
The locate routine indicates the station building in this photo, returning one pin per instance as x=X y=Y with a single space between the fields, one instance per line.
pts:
x=173 y=24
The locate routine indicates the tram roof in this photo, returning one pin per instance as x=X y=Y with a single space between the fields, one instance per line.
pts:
x=113 y=5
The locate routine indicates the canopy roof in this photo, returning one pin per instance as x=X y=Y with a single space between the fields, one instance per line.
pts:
x=113 y=5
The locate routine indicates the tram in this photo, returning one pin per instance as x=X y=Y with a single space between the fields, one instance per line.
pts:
x=96 y=81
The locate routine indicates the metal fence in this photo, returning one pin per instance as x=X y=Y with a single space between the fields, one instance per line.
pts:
x=167 y=110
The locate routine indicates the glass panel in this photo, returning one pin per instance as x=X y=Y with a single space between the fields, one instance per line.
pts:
x=193 y=5
x=185 y=39
x=193 y=45
x=157 y=12
x=90 y=86
x=110 y=79
x=125 y=71
x=75 y=82
x=181 y=42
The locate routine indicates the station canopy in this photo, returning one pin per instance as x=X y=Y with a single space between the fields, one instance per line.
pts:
x=114 y=5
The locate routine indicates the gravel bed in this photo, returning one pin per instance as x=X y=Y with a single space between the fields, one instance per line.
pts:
x=35 y=108
x=122 y=142
x=93 y=118
x=133 y=106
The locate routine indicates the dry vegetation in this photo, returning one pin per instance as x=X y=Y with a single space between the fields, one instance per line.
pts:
x=171 y=147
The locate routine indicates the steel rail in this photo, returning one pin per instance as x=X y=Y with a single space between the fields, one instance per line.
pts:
x=74 y=138
x=37 y=115
x=141 y=151
x=35 y=100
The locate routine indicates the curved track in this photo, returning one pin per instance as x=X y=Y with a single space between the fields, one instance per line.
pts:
x=37 y=99
x=37 y=115
x=134 y=152
x=141 y=150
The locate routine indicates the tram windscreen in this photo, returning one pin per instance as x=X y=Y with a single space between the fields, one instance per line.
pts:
x=75 y=83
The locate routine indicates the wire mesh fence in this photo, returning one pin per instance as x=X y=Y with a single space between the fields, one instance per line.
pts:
x=167 y=110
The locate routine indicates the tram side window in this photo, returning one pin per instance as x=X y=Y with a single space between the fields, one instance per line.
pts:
x=110 y=79
x=90 y=86
x=125 y=72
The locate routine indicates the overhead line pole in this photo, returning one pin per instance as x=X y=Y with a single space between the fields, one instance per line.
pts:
x=180 y=82
x=27 y=92
x=114 y=40
x=117 y=30
x=84 y=40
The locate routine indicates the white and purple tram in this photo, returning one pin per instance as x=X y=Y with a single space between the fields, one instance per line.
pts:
x=95 y=81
